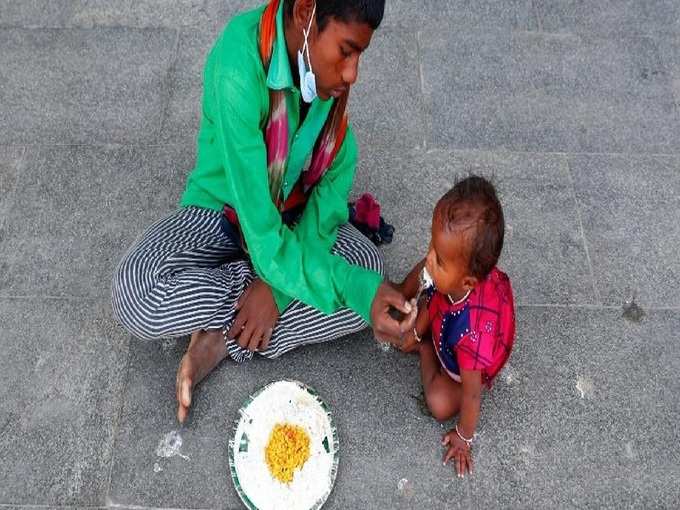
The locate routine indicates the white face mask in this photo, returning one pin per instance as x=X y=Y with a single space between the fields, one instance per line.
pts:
x=307 y=78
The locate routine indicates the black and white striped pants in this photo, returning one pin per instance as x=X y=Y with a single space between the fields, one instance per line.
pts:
x=183 y=275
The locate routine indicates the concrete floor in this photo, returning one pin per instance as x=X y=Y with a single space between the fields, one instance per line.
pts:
x=572 y=107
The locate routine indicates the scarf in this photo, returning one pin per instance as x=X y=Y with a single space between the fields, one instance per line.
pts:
x=276 y=136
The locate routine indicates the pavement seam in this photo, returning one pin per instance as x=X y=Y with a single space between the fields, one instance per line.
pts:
x=537 y=14
x=649 y=308
x=166 y=92
x=426 y=106
x=100 y=507
x=19 y=170
x=498 y=150
x=11 y=197
x=577 y=205
x=501 y=150
x=116 y=424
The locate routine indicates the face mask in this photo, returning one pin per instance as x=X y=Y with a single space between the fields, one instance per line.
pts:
x=307 y=78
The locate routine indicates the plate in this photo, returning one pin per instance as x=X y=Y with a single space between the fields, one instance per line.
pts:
x=283 y=402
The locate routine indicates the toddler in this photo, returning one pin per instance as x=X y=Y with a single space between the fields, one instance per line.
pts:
x=465 y=326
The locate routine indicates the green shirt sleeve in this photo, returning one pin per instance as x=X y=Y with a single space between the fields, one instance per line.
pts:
x=288 y=261
x=326 y=208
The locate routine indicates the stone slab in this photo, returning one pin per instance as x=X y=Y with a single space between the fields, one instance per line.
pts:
x=62 y=371
x=563 y=427
x=569 y=372
x=64 y=236
x=83 y=86
x=183 y=112
x=459 y=14
x=535 y=92
x=383 y=435
x=670 y=56
x=386 y=103
x=10 y=161
x=630 y=206
x=628 y=17
x=101 y=13
x=544 y=252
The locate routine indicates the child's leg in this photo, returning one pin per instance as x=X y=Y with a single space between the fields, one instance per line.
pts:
x=442 y=393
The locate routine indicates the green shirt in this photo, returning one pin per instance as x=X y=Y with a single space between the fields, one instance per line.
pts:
x=231 y=168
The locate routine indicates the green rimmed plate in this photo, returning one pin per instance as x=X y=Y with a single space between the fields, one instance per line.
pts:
x=241 y=448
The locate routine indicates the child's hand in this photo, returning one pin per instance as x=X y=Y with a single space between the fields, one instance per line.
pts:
x=459 y=452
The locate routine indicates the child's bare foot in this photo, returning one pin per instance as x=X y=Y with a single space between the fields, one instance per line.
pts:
x=205 y=351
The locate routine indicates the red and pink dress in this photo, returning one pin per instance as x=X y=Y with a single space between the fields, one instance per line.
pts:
x=476 y=333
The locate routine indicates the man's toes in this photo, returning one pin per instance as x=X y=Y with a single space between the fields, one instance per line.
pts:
x=185 y=391
x=183 y=398
x=182 y=413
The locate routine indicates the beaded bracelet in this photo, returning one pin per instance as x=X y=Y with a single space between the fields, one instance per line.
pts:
x=467 y=441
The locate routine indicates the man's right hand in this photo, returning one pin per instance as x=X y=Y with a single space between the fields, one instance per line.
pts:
x=386 y=328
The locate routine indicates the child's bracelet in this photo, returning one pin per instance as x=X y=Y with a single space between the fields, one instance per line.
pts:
x=467 y=441
x=415 y=334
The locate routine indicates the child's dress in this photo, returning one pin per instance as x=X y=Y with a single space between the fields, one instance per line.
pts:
x=477 y=333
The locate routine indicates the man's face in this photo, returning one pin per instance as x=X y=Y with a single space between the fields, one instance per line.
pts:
x=335 y=54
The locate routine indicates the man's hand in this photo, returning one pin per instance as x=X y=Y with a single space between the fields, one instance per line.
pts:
x=410 y=343
x=257 y=315
x=386 y=328
x=458 y=451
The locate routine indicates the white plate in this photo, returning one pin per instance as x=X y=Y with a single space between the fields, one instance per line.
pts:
x=283 y=402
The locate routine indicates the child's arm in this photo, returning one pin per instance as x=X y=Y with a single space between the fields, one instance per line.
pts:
x=459 y=448
x=422 y=326
x=409 y=287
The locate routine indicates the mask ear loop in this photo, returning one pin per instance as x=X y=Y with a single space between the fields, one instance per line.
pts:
x=305 y=46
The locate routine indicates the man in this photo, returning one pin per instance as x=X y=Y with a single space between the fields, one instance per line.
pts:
x=260 y=257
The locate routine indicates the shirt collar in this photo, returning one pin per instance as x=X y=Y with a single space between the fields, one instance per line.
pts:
x=280 y=76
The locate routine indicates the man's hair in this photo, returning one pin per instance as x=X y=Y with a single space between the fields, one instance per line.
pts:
x=360 y=11
x=472 y=208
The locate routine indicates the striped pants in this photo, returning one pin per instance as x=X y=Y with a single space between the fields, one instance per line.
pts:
x=184 y=274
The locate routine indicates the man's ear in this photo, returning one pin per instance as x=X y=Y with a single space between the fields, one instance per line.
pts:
x=302 y=11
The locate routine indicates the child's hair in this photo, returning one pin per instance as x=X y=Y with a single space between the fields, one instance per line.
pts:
x=473 y=208
x=361 y=11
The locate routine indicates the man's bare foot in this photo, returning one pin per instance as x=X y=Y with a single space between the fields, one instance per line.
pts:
x=205 y=351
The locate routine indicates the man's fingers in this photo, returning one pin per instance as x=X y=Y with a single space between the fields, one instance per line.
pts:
x=267 y=337
x=246 y=334
x=397 y=300
x=459 y=464
x=409 y=321
x=255 y=339
x=237 y=327
x=388 y=329
x=446 y=440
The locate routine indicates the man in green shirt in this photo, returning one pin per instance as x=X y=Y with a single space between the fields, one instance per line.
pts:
x=260 y=257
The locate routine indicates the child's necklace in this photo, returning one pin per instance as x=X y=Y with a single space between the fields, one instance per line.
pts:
x=460 y=300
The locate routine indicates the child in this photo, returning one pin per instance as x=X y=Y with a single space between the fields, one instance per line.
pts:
x=469 y=311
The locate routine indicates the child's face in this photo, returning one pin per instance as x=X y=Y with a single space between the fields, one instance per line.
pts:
x=447 y=262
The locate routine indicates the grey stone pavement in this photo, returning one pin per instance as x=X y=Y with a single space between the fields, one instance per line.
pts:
x=572 y=106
